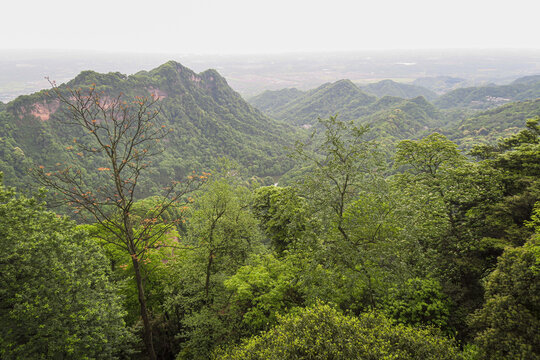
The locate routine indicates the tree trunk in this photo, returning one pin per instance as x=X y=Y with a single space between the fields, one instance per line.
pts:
x=207 y=282
x=144 y=311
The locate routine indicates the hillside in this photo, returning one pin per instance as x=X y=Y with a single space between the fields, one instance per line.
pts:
x=208 y=120
x=392 y=88
x=403 y=119
x=339 y=97
x=486 y=97
x=489 y=126
x=390 y=118
x=440 y=84
x=271 y=101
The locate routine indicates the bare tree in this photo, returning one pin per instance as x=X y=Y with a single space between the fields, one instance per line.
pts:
x=125 y=136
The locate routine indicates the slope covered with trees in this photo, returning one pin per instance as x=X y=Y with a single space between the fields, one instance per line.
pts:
x=392 y=88
x=327 y=100
x=207 y=120
x=491 y=96
x=390 y=117
x=271 y=101
x=490 y=125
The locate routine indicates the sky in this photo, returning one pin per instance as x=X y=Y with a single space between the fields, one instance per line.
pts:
x=271 y=26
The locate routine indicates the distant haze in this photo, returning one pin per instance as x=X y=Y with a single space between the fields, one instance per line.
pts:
x=255 y=27
x=24 y=71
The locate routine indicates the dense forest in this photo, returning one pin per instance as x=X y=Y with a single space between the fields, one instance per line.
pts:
x=161 y=216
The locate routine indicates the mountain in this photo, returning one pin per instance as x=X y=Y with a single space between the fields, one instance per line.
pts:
x=486 y=97
x=390 y=118
x=392 y=88
x=393 y=119
x=329 y=99
x=528 y=80
x=208 y=120
x=440 y=84
x=488 y=126
x=270 y=101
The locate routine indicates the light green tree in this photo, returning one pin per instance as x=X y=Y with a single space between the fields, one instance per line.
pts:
x=321 y=332
x=221 y=233
x=346 y=191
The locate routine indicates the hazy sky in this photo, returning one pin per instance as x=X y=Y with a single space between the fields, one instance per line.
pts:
x=253 y=26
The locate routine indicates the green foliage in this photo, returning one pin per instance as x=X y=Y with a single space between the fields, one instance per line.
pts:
x=510 y=318
x=283 y=215
x=487 y=127
x=490 y=96
x=56 y=297
x=354 y=258
x=419 y=302
x=517 y=159
x=264 y=289
x=221 y=234
x=321 y=332
x=270 y=102
x=450 y=198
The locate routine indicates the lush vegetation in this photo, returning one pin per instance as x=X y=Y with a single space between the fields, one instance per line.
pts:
x=206 y=118
x=411 y=251
x=491 y=96
x=270 y=102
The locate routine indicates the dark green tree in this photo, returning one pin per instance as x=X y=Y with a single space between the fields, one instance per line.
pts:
x=509 y=321
x=283 y=215
x=221 y=233
x=517 y=159
x=56 y=298
x=449 y=199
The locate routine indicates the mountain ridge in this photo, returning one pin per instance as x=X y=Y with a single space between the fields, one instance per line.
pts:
x=209 y=120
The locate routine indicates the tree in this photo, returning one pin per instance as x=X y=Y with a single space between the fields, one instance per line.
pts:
x=221 y=233
x=343 y=164
x=264 y=288
x=282 y=214
x=346 y=173
x=321 y=332
x=56 y=297
x=517 y=159
x=124 y=137
x=510 y=318
x=449 y=198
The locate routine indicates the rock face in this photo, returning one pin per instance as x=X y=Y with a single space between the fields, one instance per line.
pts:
x=41 y=110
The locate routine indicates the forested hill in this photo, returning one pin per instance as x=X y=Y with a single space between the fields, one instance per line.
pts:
x=485 y=97
x=490 y=125
x=440 y=84
x=390 y=118
x=208 y=120
x=271 y=101
x=328 y=99
x=392 y=88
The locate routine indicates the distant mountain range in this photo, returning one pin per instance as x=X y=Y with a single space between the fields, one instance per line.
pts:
x=490 y=125
x=392 y=88
x=400 y=117
x=486 y=97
